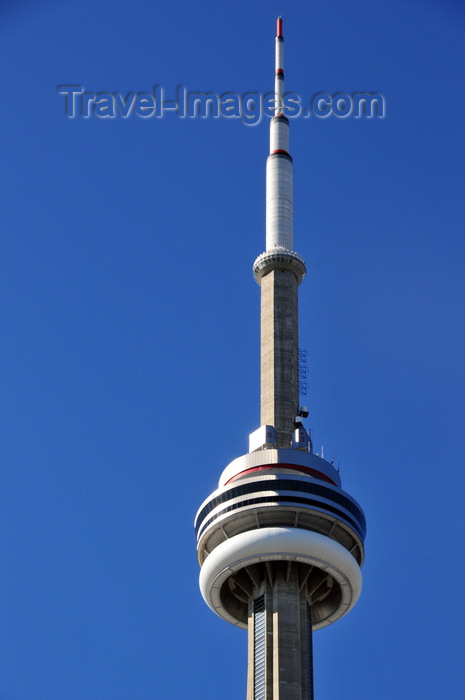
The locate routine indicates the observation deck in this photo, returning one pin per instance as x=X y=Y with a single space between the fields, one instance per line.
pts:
x=279 y=258
x=280 y=506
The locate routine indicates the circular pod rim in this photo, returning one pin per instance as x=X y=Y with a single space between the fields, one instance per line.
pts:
x=280 y=544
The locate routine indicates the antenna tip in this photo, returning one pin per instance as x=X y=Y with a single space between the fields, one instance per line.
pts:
x=279 y=27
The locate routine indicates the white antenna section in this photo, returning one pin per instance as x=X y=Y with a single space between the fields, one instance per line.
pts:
x=279 y=169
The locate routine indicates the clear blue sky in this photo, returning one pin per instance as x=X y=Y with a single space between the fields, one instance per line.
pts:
x=130 y=337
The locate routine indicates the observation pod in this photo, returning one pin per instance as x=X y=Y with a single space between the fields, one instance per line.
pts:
x=279 y=543
x=280 y=513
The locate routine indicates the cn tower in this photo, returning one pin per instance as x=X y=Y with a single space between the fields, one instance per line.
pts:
x=280 y=544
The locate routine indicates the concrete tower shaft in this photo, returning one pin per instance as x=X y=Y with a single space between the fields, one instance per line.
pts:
x=279 y=394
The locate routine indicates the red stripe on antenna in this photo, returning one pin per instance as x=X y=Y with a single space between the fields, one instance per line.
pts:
x=279 y=27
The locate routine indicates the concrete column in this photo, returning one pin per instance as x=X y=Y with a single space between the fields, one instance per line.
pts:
x=288 y=640
x=279 y=353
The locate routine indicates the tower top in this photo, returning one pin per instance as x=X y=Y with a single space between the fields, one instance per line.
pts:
x=279 y=253
x=279 y=68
